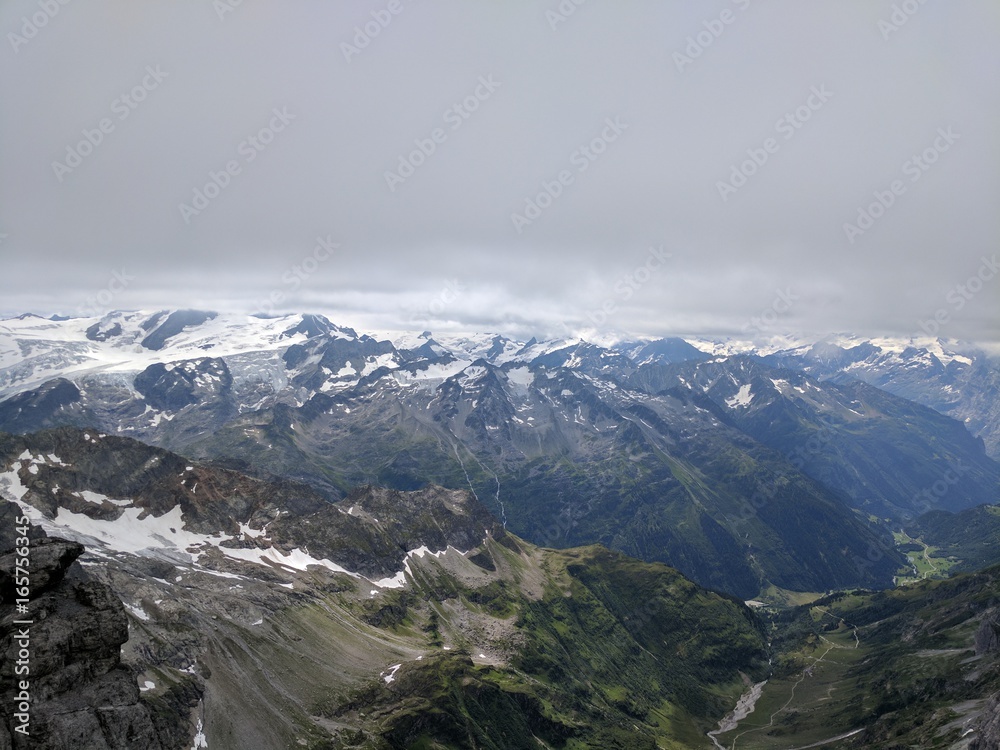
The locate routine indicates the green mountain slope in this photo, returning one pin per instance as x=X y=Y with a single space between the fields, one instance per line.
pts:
x=914 y=667
x=657 y=477
x=970 y=538
x=388 y=620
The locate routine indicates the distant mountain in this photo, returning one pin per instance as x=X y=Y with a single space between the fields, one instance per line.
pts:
x=885 y=455
x=955 y=379
x=719 y=465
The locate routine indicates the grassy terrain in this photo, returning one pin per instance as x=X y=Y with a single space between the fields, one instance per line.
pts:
x=806 y=700
x=925 y=560
x=508 y=648
x=892 y=669
x=971 y=538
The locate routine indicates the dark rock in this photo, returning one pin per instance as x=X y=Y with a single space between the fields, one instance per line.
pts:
x=81 y=694
x=28 y=411
x=181 y=384
x=988 y=635
x=9 y=515
x=48 y=560
x=175 y=323
x=95 y=332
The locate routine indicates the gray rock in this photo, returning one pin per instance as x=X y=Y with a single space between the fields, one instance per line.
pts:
x=988 y=635
x=81 y=695
x=49 y=558
x=988 y=731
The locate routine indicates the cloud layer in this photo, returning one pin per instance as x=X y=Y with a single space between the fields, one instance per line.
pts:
x=543 y=168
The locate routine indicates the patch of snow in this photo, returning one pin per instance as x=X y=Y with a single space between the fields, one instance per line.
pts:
x=742 y=398
x=138 y=611
x=391 y=673
x=98 y=499
x=200 y=741
x=296 y=558
x=252 y=533
x=521 y=376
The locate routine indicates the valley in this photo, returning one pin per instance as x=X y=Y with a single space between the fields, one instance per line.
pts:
x=327 y=539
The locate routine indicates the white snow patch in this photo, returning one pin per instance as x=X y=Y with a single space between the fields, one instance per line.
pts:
x=521 y=376
x=98 y=499
x=200 y=741
x=296 y=558
x=391 y=673
x=252 y=533
x=398 y=581
x=138 y=611
x=742 y=398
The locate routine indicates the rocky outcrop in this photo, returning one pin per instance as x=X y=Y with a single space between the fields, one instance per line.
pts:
x=67 y=659
x=988 y=635
x=988 y=731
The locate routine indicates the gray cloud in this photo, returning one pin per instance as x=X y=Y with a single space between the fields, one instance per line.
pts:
x=750 y=93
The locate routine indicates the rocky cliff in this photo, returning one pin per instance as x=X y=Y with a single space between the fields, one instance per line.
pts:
x=63 y=684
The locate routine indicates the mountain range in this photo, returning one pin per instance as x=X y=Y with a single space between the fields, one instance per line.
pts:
x=736 y=468
x=276 y=531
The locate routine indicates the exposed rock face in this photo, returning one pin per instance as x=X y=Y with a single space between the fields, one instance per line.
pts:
x=49 y=560
x=988 y=635
x=80 y=694
x=988 y=732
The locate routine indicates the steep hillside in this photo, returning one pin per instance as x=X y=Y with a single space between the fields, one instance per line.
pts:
x=970 y=540
x=885 y=455
x=918 y=666
x=954 y=378
x=565 y=458
x=387 y=620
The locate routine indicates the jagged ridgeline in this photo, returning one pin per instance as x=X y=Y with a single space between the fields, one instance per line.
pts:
x=333 y=543
x=259 y=614
x=744 y=473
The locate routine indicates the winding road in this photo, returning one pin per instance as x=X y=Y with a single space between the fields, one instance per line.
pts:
x=747 y=702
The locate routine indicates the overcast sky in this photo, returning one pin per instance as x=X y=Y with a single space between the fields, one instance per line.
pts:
x=640 y=167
